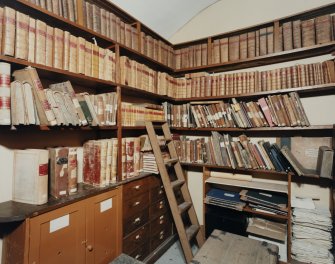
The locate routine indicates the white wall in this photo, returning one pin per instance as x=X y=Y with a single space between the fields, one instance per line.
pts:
x=227 y=15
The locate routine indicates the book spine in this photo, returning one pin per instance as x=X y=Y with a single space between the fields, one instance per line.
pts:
x=59 y=48
x=5 y=97
x=21 y=38
x=8 y=33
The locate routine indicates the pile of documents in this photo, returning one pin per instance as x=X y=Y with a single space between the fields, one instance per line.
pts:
x=265 y=201
x=225 y=199
x=312 y=236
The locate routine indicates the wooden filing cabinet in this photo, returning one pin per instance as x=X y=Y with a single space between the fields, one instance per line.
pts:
x=146 y=217
x=87 y=231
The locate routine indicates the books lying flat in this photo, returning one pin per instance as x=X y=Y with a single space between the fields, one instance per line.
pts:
x=225 y=199
x=266 y=228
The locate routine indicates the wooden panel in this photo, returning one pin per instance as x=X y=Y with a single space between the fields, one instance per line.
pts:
x=54 y=240
x=136 y=239
x=137 y=220
x=136 y=187
x=158 y=208
x=135 y=204
x=103 y=227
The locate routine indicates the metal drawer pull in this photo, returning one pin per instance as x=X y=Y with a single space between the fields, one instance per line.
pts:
x=160 y=192
x=137 y=220
x=137 y=187
x=161 y=217
x=136 y=204
x=89 y=247
x=137 y=256
x=161 y=205
x=161 y=233
x=137 y=237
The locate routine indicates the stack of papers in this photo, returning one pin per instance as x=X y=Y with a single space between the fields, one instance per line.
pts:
x=265 y=201
x=312 y=236
x=225 y=199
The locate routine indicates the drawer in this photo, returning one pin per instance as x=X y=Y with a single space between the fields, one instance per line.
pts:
x=160 y=222
x=158 y=208
x=160 y=237
x=134 y=188
x=157 y=193
x=141 y=252
x=135 y=221
x=136 y=239
x=155 y=181
x=135 y=204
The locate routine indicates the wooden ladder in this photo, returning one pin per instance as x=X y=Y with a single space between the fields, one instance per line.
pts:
x=183 y=211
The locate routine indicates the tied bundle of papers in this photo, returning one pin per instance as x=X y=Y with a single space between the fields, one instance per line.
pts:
x=265 y=202
x=312 y=236
x=225 y=199
x=149 y=162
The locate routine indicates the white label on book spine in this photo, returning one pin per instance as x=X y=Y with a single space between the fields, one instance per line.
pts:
x=106 y=205
x=59 y=223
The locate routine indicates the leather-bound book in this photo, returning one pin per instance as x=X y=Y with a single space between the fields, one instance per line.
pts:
x=8 y=31
x=118 y=29
x=128 y=35
x=122 y=32
x=59 y=177
x=269 y=39
x=215 y=51
x=49 y=46
x=257 y=43
x=103 y=24
x=88 y=58
x=66 y=53
x=73 y=60
x=262 y=42
x=243 y=46
x=81 y=55
x=308 y=32
x=114 y=160
x=323 y=29
x=45 y=113
x=30 y=182
x=103 y=161
x=21 y=36
x=96 y=19
x=40 y=51
x=251 y=39
x=102 y=55
x=288 y=35
x=31 y=39
x=59 y=48
x=88 y=164
x=5 y=95
x=234 y=48
x=95 y=61
x=97 y=163
x=296 y=34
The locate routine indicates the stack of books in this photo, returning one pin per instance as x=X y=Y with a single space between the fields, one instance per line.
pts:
x=225 y=199
x=137 y=114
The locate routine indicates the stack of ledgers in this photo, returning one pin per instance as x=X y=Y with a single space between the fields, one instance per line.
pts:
x=312 y=237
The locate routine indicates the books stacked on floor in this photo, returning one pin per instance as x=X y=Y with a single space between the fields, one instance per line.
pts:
x=137 y=114
x=273 y=110
x=31 y=104
x=100 y=162
x=312 y=236
x=203 y=84
x=223 y=198
x=268 y=202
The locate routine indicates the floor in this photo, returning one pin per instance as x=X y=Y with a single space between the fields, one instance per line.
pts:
x=174 y=255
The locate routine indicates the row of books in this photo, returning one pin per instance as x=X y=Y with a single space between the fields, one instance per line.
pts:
x=273 y=110
x=35 y=41
x=291 y=35
x=100 y=161
x=260 y=201
x=137 y=114
x=222 y=150
x=137 y=75
x=64 y=8
x=31 y=104
x=300 y=75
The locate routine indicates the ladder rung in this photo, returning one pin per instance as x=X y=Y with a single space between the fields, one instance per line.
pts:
x=177 y=183
x=169 y=162
x=191 y=231
x=184 y=206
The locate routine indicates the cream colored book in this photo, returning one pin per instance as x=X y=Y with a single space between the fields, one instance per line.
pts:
x=54 y=106
x=7 y=170
x=66 y=53
x=102 y=55
x=1 y=27
x=29 y=103
x=49 y=47
x=88 y=58
x=5 y=110
x=31 y=40
x=17 y=104
x=59 y=48
x=40 y=51
x=22 y=36
x=81 y=55
x=73 y=61
x=8 y=34
x=30 y=183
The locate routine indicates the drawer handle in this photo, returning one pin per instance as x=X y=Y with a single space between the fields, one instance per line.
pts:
x=90 y=248
x=161 y=217
x=137 y=187
x=137 y=220
x=138 y=256
x=136 y=204
x=161 y=205
x=160 y=192
x=161 y=237
x=137 y=237
x=161 y=233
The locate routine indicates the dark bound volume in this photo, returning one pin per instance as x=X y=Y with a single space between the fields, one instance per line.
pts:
x=59 y=171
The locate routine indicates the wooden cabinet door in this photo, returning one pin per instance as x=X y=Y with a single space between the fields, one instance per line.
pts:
x=103 y=227
x=58 y=236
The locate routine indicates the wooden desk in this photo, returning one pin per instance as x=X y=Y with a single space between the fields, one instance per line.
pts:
x=226 y=248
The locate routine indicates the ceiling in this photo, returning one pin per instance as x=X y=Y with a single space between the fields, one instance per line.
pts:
x=165 y=17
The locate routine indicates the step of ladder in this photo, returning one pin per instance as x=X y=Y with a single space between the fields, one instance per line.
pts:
x=186 y=208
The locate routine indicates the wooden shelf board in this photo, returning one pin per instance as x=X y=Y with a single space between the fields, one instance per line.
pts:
x=48 y=128
x=273 y=58
x=273 y=187
x=139 y=92
x=315 y=89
